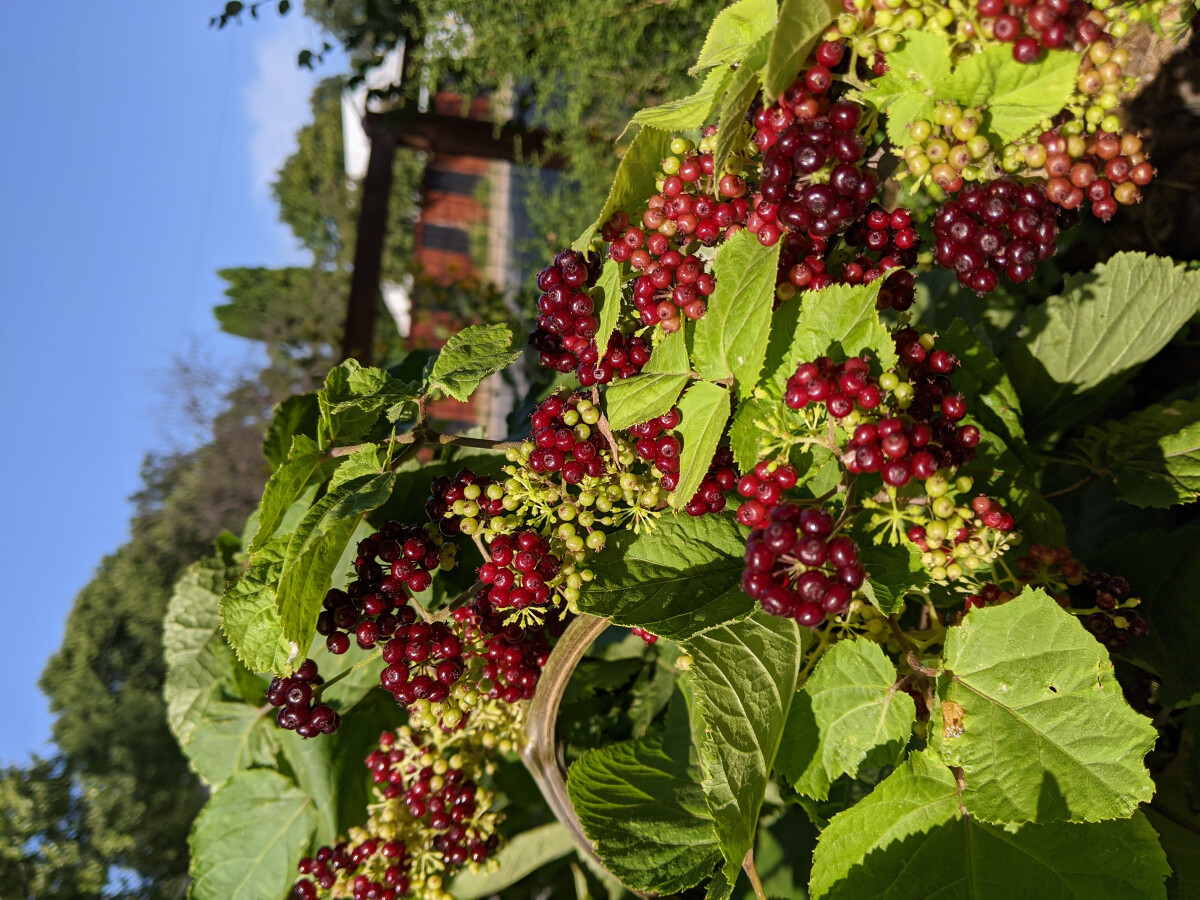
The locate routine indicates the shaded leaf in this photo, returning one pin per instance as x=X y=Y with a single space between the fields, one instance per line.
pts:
x=469 y=357
x=800 y=25
x=704 y=410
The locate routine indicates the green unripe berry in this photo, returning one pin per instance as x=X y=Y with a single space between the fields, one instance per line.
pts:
x=935 y=531
x=586 y=519
x=1111 y=124
x=903 y=392
x=596 y=540
x=589 y=414
x=919 y=165
x=570 y=418
x=884 y=18
x=681 y=145
x=847 y=24
x=938 y=573
x=911 y=19
x=574 y=543
x=936 y=486
x=964 y=483
x=920 y=130
x=866 y=47
x=943 y=507
x=888 y=381
x=954 y=572
x=887 y=41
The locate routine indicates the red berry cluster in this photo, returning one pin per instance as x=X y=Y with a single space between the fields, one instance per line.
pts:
x=514 y=655
x=566 y=322
x=840 y=386
x=624 y=358
x=1003 y=227
x=519 y=571
x=991 y=514
x=443 y=804
x=464 y=488
x=720 y=477
x=763 y=489
x=661 y=450
x=1112 y=626
x=392 y=561
x=1049 y=24
x=424 y=660
x=796 y=569
x=1106 y=176
x=671 y=285
x=296 y=697
x=935 y=409
x=324 y=867
x=559 y=447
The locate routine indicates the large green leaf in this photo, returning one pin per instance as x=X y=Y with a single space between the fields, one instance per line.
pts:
x=704 y=410
x=731 y=339
x=609 y=287
x=248 y=839
x=1152 y=456
x=230 y=737
x=674 y=580
x=1046 y=733
x=1014 y=96
x=892 y=571
x=470 y=356
x=734 y=31
x=641 y=398
x=841 y=315
x=306 y=464
x=1092 y=337
x=800 y=25
x=315 y=548
x=298 y=414
x=644 y=810
x=670 y=356
x=910 y=838
x=692 y=111
x=521 y=856
x=635 y=178
x=906 y=91
x=353 y=400
x=744 y=678
x=251 y=622
x=743 y=85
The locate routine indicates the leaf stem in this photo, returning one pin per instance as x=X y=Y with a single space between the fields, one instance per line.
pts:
x=752 y=873
x=340 y=675
x=1082 y=482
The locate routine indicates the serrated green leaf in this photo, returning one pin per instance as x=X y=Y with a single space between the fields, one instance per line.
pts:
x=353 y=400
x=857 y=708
x=731 y=339
x=891 y=573
x=469 y=357
x=1152 y=456
x=231 y=737
x=744 y=432
x=641 y=398
x=1038 y=696
x=674 y=580
x=906 y=91
x=315 y=548
x=734 y=31
x=370 y=460
x=801 y=23
x=250 y=620
x=1163 y=569
x=845 y=316
x=670 y=356
x=298 y=414
x=306 y=464
x=690 y=112
x=800 y=759
x=609 y=285
x=249 y=837
x=524 y=854
x=704 y=410
x=743 y=85
x=634 y=181
x=1092 y=337
x=1014 y=96
x=909 y=838
x=644 y=810
x=743 y=728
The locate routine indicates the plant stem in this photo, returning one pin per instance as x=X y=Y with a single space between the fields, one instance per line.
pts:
x=421 y=436
x=340 y=675
x=1082 y=482
x=752 y=874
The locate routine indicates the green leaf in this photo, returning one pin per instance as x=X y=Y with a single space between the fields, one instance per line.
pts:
x=231 y=737
x=1163 y=569
x=470 y=356
x=641 y=398
x=1152 y=455
x=1094 y=335
x=248 y=839
x=909 y=838
x=315 y=548
x=354 y=398
x=1014 y=96
x=891 y=573
x=298 y=414
x=681 y=577
x=858 y=708
x=743 y=725
x=906 y=91
x=670 y=356
x=1046 y=732
x=982 y=378
x=800 y=758
x=744 y=432
x=801 y=23
x=610 y=309
x=521 y=856
x=306 y=464
x=732 y=337
x=250 y=620
x=739 y=95
x=634 y=181
x=734 y=31
x=841 y=315
x=690 y=112
x=644 y=810
x=704 y=410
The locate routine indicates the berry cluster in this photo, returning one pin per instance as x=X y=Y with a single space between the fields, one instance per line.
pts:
x=513 y=654
x=565 y=439
x=720 y=477
x=1002 y=228
x=1046 y=25
x=456 y=505
x=959 y=541
x=623 y=358
x=646 y=636
x=392 y=561
x=796 y=568
x=300 y=712
x=660 y=449
x=840 y=386
x=522 y=571
x=763 y=489
x=1114 y=621
x=1106 y=174
x=566 y=322
x=424 y=661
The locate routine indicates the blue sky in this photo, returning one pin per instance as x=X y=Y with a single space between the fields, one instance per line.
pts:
x=137 y=153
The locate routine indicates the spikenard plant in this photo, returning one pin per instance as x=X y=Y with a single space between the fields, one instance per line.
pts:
x=863 y=662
